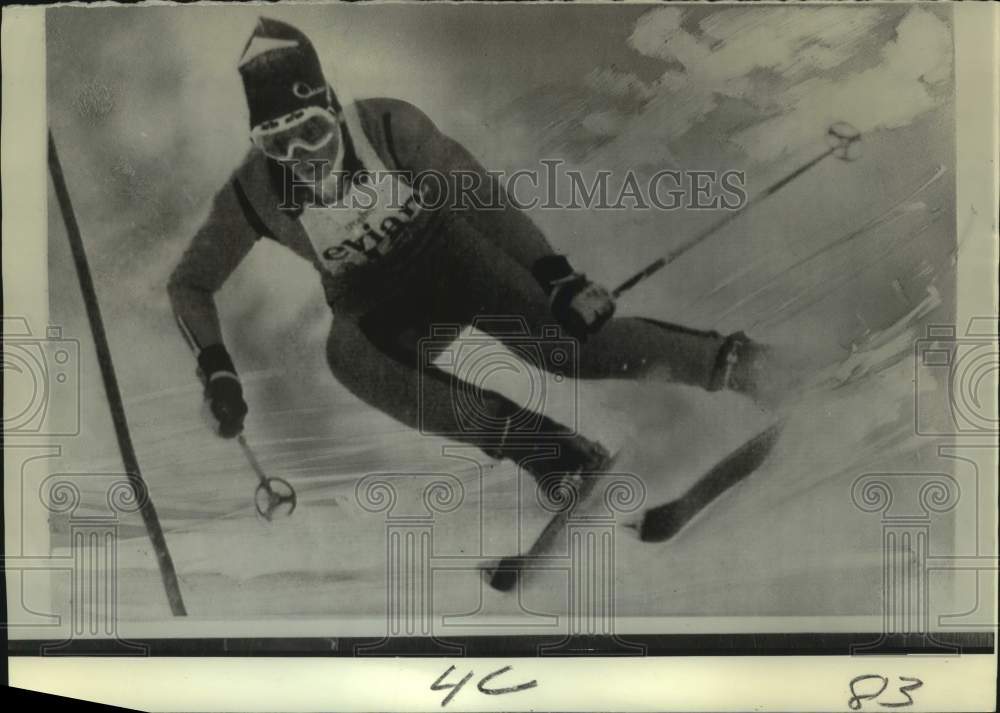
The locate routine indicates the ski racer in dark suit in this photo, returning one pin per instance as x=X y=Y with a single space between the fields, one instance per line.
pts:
x=393 y=268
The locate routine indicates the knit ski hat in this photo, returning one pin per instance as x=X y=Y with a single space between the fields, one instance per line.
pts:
x=281 y=72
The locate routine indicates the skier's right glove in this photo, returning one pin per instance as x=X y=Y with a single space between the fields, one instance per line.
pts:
x=223 y=390
x=580 y=306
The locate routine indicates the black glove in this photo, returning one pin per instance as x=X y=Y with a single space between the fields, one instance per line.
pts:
x=223 y=390
x=579 y=305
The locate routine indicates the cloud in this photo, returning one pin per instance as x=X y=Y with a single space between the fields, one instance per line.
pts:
x=800 y=69
x=731 y=43
x=922 y=49
x=615 y=83
x=907 y=82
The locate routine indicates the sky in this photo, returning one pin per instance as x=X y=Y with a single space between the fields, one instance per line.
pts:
x=147 y=110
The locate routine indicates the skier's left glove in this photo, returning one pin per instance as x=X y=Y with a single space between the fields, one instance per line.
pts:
x=579 y=305
x=223 y=390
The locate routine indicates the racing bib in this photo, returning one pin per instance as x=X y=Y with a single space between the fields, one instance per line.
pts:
x=365 y=225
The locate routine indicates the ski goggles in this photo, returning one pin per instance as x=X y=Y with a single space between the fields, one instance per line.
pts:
x=309 y=129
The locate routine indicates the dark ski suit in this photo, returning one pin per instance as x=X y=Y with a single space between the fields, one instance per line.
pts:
x=444 y=266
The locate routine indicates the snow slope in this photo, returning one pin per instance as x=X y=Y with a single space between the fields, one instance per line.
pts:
x=778 y=544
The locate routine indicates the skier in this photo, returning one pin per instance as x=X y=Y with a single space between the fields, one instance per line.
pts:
x=393 y=269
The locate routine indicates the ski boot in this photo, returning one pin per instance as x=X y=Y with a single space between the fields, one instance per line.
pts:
x=568 y=478
x=563 y=463
x=753 y=369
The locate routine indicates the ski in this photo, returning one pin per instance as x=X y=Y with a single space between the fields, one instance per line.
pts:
x=507 y=572
x=663 y=522
x=504 y=576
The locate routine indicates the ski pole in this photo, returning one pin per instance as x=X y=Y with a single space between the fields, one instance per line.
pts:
x=842 y=136
x=112 y=391
x=266 y=486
